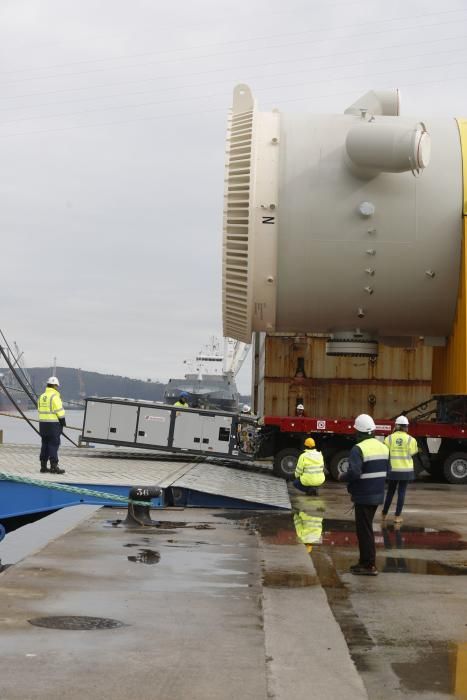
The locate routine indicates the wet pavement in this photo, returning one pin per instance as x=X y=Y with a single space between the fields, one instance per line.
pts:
x=230 y=604
x=200 y=606
x=407 y=628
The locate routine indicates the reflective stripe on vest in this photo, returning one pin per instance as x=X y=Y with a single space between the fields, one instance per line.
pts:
x=310 y=468
x=373 y=451
x=49 y=406
x=402 y=447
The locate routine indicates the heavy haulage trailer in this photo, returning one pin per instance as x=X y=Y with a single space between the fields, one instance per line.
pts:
x=442 y=445
x=146 y=425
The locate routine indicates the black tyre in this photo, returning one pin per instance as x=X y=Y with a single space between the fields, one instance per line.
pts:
x=285 y=462
x=455 y=468
x=338 y=464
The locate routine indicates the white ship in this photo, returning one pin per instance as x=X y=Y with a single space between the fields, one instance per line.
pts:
x=210 y=377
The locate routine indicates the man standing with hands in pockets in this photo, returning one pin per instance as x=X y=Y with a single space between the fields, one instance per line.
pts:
x=366 y=478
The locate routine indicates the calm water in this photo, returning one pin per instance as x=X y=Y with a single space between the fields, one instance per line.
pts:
x=17 y=431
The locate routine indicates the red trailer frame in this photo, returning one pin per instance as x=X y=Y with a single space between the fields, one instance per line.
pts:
x=334 y=436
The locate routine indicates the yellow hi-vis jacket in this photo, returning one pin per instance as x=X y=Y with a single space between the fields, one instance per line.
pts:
x=309 y=528
x=402 y=447
x=179 y=404
x=310 y=468
x=50 y=406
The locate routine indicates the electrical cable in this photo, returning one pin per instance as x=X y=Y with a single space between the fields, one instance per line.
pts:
x=215 y=95
x=247 y=67
x=214 y=110
x=18 y=408
x=242 y=41
x=216 y=56
x=17 y=362
x=66 y=402
x=31 y=397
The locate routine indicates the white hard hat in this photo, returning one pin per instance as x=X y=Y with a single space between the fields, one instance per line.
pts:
x=53 y=380
x=364 y=423
x=245 y=408
x=300 y=407
x=402 y=420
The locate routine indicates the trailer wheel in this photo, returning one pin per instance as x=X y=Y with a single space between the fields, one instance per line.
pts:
x=455 y=468
x=285 y=462
x=339 y=463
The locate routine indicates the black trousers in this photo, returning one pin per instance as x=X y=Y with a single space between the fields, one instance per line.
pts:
x=366 y=538
x=50 y=437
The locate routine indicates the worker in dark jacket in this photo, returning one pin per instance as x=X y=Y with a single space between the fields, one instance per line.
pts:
x=366 y=478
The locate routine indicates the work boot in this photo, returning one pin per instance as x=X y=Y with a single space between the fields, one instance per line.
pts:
x=364 y=570
x=44 y=469
x=54 y=468
x=312 y=491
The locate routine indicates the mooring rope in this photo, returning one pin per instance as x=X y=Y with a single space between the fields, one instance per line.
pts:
x=71 y=489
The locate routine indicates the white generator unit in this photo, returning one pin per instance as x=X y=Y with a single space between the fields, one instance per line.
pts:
x=156 y=426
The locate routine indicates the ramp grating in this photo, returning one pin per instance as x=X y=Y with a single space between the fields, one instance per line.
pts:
x=224 y=481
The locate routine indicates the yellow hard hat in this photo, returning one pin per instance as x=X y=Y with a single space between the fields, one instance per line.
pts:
x=309 y=442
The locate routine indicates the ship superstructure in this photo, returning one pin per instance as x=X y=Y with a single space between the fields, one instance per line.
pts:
x=210 y=377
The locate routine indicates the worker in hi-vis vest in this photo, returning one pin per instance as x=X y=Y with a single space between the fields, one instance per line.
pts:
x=309 y=472
x=309 y=529
x=402 y=449
x=182 y=400
x=51 y=424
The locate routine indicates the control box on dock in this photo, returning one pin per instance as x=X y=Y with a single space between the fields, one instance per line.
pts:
x=150 y=425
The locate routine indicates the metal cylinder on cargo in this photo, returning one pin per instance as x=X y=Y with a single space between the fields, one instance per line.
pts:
x=343 y=224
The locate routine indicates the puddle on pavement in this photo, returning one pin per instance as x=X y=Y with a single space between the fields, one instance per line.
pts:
x=341 y=533
x=145 y=556
x=288 y=579
x=442 y=667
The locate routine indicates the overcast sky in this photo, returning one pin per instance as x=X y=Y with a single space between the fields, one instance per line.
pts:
x=112 y=127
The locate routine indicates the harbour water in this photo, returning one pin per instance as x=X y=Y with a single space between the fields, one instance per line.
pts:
x=18 y=432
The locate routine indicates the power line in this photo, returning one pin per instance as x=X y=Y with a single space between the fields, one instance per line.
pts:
x=213 y=110
x=242 y=41
x=192 y=58
x=215 y=95
x=222 y=81
x=217 y=70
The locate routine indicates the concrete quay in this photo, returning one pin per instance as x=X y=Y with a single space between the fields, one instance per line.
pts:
x=209 y=607
x=228 y=604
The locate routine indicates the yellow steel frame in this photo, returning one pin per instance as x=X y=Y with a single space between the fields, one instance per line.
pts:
x=450 y=362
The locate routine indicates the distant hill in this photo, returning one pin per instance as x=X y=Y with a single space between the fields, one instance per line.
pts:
x=76 y=384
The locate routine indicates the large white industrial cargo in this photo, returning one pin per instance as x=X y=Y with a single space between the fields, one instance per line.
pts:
x=344 y=224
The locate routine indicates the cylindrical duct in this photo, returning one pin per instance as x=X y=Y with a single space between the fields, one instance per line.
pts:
x=326 y=229
x=391 y=148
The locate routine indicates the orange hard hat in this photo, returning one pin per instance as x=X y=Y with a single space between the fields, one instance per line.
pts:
x=309 y=442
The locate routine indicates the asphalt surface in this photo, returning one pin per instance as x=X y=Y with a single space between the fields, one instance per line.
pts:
x=229 y=604
x=406 y=629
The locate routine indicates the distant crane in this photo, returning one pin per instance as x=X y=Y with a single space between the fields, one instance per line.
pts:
x=82 y=388
x=234 y=356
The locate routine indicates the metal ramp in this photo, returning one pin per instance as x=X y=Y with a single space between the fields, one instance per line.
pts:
x=185 y=483
x=214 y=486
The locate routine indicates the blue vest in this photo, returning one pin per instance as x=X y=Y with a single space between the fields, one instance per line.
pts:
x=368 y=467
